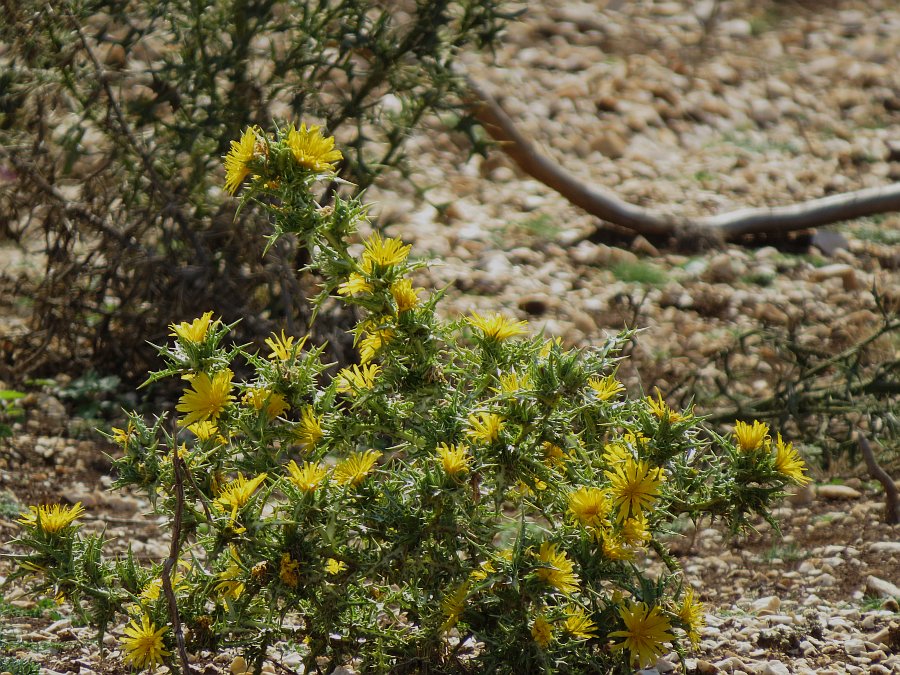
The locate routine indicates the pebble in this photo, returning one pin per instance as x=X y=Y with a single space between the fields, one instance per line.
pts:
x=837 y=492
x=881 y=588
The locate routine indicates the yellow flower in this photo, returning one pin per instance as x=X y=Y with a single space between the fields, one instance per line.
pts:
x=613 y=453
x=557 y=569
x=204 y=430
x=311 y=149
x=613 y=546
x=691 y=615
x=634 y=486
x=634 y=531
x=238 y=492
x=485 y=568
x=404 y=295
x=195 y=331
x=590 y=506
x=661 y=410
x=308 y=430
x=356 y=467
x=272 y=403
x=553 y=454
x=455 y=459
x=356 y=283
x=121 y=436
x=370 y=345
x=334 y=567
x=486 y=427
x=542 y=631
x=207 y=399
x=512 y=382
x=579 y=625
x=355 y=378
x=237 y=160
x=751 y=437
x=143 y=643
x=383 y=252
x=229 y=585
x=605 y=388
x=646 y=630
x=524 y=489
x=283 y=346
x=309 y=477
x=288 y=571
x=497 y=327
x=453 y=606
x=52 y=519
x=548 y=345
x=789 y=463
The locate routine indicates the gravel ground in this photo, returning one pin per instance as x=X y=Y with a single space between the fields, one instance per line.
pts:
x=691 y=107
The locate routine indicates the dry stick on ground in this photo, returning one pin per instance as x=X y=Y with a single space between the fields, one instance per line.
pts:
x=728 y=226
x=891 y=499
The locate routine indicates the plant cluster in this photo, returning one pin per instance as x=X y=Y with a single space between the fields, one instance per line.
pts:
x=112 y=115
x=466 y=498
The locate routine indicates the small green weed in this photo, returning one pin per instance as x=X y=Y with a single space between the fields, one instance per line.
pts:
x=9 y=506
x=787 y=553
x=640 y=272
x=541 y=225
x=17 y=666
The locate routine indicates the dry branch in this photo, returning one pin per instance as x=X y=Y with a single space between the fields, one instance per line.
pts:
x=607 y=206
x=891 y=499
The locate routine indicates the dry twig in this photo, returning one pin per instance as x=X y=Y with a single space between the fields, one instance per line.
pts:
x=891 y=499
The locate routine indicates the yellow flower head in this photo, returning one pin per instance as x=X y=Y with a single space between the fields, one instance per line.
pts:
x=789 y=463
x=497 y=327
x=356 y=283
x=372 y=343
x=455 y=459
x=52 y=519
x=311 y=149
x=590 y=506
x=634 y=486
x=613 y=453
x=204 y=430
x=556 y=569
x=356 y=378
x=207 y=398
x=195 y=331
x=229 y=585
x=283 y=346
x=309 y=477
x=143 y=644
x=542 y=631
x=289 y=571
x=635 y=532
x=663 y=411
x=605 y=388
x=579 y=625
x=691 y=615
x=404 y=295
x=334 y=567
x=238 y=159
x=548 y=345
x=751 y=437
x=272 y=403
x=553 y=454
x=613 y=547
x=308 y=430
x=383 y=252
x=512 y=382
x=453 y=606
x=238 y=492
x=121 y=436
x=646 y=631
x=480 y=574
x=356 y=467
x=486 y=427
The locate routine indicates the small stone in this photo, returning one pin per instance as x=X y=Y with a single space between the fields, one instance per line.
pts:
x=844 y=272
x=891 y=605
x=238 y=665
x=769 y=604
x=885 y=547
x=881 y=588
x=774 y=668
x=609 y=144
x=837 y=492
x=706 y=668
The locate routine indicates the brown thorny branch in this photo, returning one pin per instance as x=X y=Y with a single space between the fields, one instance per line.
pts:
x=891 y=499
x=603 y=204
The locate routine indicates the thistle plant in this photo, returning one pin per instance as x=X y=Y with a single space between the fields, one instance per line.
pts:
x=467 y=498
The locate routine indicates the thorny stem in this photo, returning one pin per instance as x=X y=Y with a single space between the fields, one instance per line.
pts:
x=169 y=564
